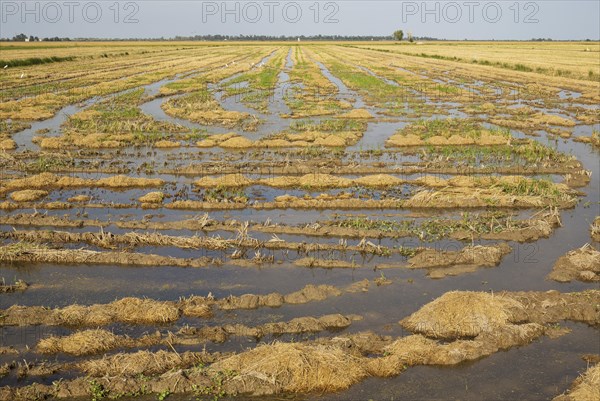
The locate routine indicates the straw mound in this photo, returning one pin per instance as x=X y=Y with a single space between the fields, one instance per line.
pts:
x=280 y=182
x=585 y=388
x=594 y=139
x=437 y=140
x=551 y=119
x=431 y=181
x=7 y=144
x=553 y=306
x=275 y=143
x=363 y=342
x=581 y=264
x=28 y=195
x=378 y=180
x=331 y=141
x=19 y=285
x=459 y=314
x=323 y=181
x=178 y=381
x=224 y=181
x=488 y=138
x=80 y=198
x=152 y=197
x=464 y=181
x=50 y=143
x=196 y=307
x=323 y=263
x=477 y=255
x=294 y=368
x=595 y=229
x=206 y=143
x=406 y=351
x=141 y=362
x=511 y=335
x=7 y=205
x=251 y=301
x=99 y=141
x=123 y=181
x=399 y=140
x=17 y=315
x=237 y=143
x=294 y=326
x=419 y=350
x=186 y=204
x=80 y=315
x=356 y=113
x=449 y=197
x=46 y=180
x=488 y=107
x=285 y=198
x=127 y=310
x=415 y=349
x=307 y=294
x=81 y=343
x=86 y=115
x=312 y=293
x=71 y=182
x=311 y=138
x=166 y=144
x=306 y=136
x=136 y=310
x=224 y=137
x=34 y=253
x=460 y=140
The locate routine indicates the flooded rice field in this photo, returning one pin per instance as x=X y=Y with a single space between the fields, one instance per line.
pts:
x=297 y=222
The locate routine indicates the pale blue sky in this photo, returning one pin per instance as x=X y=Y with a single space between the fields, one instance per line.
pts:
x=443 y=19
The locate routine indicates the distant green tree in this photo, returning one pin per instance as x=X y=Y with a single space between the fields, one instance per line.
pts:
x=398 y=35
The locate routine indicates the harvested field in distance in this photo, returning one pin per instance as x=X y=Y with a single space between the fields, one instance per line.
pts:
x=306 y=220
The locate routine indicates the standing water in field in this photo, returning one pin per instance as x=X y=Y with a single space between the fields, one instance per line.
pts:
x=291 y=243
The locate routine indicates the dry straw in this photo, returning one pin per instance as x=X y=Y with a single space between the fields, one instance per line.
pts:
x=295 y=367
x=459 y=314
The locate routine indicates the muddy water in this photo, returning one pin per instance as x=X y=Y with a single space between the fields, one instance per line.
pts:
x=154 y=109
x=23 y=138
x=538 y=371
x=344 y=92
x=533 y=372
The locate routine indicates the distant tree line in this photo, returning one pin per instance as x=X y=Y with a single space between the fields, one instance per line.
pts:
x=282 y=37
x=217 y=38
x=24 y=38
x=397 y=36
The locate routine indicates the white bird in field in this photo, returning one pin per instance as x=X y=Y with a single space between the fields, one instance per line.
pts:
x=6 y=66
x=22 y=75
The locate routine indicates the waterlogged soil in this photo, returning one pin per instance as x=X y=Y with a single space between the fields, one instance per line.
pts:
x=299 y=256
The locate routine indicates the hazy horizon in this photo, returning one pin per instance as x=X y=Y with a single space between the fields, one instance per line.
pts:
x=152 y=19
